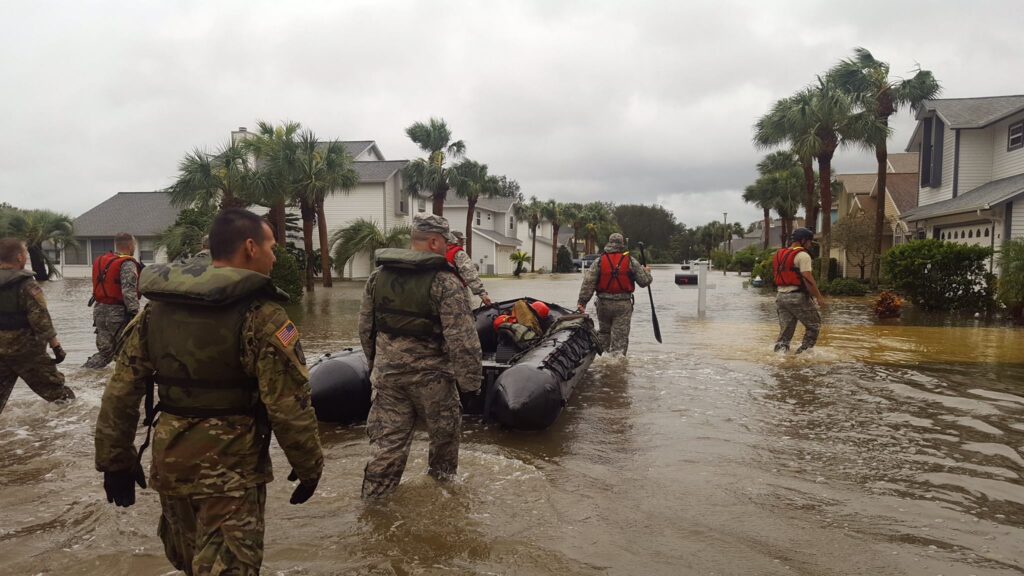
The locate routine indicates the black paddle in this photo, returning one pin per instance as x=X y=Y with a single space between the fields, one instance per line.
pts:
x=654 y=317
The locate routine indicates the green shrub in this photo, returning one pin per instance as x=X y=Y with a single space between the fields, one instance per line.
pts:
x=1011 y=278
x=763 y=267
x=564 y=263
x=833 y=270
x=938 y=275
x=745 y=259
x=843 y=287
x=720 y=259
x=287 y=275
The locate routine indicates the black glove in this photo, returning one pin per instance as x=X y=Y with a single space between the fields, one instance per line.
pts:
x=59 y=354
x=304 y=490
x=120 y=486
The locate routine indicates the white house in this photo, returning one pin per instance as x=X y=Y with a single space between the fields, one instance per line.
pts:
x=971 y=186
x=495 y=231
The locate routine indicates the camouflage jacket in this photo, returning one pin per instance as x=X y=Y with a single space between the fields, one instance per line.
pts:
x=460 y=358
x=129 y=288
x=468 y=273
x=31 y=299
x=590 y=277
x=215 y=455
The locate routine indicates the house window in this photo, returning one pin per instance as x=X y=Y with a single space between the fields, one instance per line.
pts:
x=942 y=236
x=511 y=222
x=421 y=205
x=477 y=217
x=76 y=255
x=986 y=232
x=147 y=251
x=100 y=246
x=1015 y=137
x=970 y=233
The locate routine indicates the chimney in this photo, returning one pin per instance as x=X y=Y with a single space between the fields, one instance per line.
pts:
x=238 y=135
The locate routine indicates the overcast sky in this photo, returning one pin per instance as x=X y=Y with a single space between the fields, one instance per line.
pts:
x=641 y=102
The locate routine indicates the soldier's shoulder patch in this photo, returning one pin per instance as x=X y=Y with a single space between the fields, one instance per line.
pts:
x=287 y=334
x=33 y=289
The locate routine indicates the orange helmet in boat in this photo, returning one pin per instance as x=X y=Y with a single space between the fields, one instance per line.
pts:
x=503 y=318
x=541 y=309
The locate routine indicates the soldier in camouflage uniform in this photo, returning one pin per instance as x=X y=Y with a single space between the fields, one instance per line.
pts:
x=420 y=341
x=463 y=264
x=229 y=369
x=613 y=276
x=112 y=316
x=25 y=330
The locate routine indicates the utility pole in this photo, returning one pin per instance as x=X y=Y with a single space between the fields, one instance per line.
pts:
x=728 y=238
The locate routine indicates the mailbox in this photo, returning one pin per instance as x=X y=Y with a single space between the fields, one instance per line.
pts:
x=686 y=279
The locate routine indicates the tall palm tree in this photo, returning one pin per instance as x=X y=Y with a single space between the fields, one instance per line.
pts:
x=554 y=212
x=35 y=228
x=433 y=173
x=530 y=212
x=322 y=169
x=783 y=126
x=572 y=214
x=206 y=180
x=761 y=196
x=274 y=150
x=364 y=235
x=473 y=184
x=785 y=186
x=867 y=80
x=597 y=216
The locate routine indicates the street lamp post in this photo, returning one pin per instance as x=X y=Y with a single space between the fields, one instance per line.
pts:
x=728 y=238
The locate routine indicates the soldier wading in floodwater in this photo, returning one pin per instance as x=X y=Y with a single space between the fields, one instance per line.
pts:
x=614 y=277
x=115 y=297
x=25 y=330
x=229 y=368
x=794 y=281
x=420 y=341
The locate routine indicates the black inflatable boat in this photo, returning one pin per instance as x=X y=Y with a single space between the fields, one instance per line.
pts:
x=521 y=389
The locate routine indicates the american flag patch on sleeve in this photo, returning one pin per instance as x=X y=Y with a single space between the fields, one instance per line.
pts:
x=288 y=334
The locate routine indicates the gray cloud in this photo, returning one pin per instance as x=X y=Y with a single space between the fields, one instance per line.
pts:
x=629 y=102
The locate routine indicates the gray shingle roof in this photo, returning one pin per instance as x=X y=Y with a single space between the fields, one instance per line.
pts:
x=973 y=112
x=497 y=237
x=137 y=213
x=981 y=198
x=356 y=147
x=371 y=171
x=858 y=183
x=904 y=162
x=494 y=204
x=902 y=189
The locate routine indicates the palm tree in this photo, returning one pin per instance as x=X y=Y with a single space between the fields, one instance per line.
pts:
x=474 y=183
x=521 y=259
x=785 y=186
x=432 y=173
x=205 y=180
x=572 y=214
x=322 y=168
x=597 y=216
x=364 y=235
x=761 y=196
x=782 y=125
x=554 y=212
x=532 y=214
x=274 y=151
x=36 y=227
x=867 y=80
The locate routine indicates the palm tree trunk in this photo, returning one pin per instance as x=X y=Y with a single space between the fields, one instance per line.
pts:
x=469 y=225
x=825 y=186
x=533 y=229
x=810 y=206
x=325 y=252
x=277 y=221
x=881 y=154
x=38 y=263
x=438 y=199
x=767 y=228
x=554 y=245
x=308 y=215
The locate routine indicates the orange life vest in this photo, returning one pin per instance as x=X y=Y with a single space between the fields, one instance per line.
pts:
x=454 y=249
x=614 y=275
x=106 y=277
x=784 y=268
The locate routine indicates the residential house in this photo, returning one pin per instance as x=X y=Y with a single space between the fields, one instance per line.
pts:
x=542 y=260
x=755 y=235
x=971 y=184
x=494 y=229
x=143 y=214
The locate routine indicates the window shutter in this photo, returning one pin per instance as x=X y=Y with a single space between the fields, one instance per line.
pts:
x=937 y=152
x=926 y=152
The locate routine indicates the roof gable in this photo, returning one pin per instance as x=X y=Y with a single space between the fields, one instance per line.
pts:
x=972 y=112
x=376 y=171
x=981 y=198
x=137 y=213
x=857 y=183
x=493 y=204
x=902 y=188
x=903 y=163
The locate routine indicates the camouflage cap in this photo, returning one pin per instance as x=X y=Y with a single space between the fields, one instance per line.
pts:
x=432 y=224
x=458 y=235
x=615 y=243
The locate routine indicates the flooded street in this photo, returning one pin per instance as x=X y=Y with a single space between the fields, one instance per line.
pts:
x=894 y=448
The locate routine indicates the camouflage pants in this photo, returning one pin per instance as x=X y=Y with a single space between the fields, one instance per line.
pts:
x=215 y=535
x=796 y=307
x=614 y=318
x=36 y=368
x=397 y=405
x=109 y=321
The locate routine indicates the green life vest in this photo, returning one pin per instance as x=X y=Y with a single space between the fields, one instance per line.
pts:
x=194 y=336
x=13 y=314
x=401 y=295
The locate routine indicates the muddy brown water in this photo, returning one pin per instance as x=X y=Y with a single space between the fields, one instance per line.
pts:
x=895 y=448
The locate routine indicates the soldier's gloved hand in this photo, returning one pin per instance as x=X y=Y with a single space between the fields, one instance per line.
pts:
x=59 y=354
x=486 y=299
x=582 y=309
x=305 y=489
x=120 y=485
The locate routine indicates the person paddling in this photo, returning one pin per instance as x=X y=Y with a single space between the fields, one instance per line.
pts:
x=792 y=269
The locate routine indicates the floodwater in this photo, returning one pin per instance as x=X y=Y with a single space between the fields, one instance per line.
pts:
x=896 y=447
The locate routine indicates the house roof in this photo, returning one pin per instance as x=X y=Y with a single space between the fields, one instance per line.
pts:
x=868 y=204
x=564 y=234
x=981 y=198
x=371 y=171
x=497 y=237
x=903 y=162
x=972 y=112
x=858 y=183
x=137 y=213
x=902 y=189
x=492 y=204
